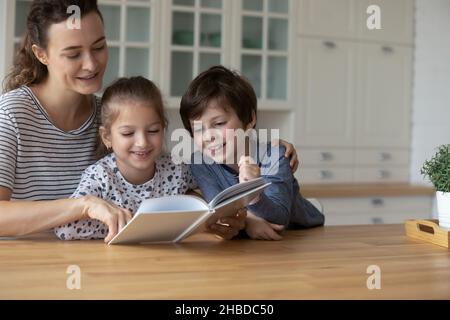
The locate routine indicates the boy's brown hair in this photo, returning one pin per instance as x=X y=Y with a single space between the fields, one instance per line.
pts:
x=230 y=89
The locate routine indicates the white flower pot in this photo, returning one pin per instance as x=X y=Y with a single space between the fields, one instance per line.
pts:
x=443 y=206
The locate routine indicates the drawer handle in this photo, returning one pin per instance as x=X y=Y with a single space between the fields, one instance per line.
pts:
x=329 y=44
x=377 y=202
x=326 y=156
x=384 y=174
x=326 y=174
x=385 y=156
x=377 y=220
x=387 y=49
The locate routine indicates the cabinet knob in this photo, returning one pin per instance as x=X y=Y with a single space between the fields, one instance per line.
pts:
x=387 y=49
x=377 y=202
x=385 y=156
x=329 y=44
x=377 y=220
x=326 y=174
x=384 y=174
x=326 y=156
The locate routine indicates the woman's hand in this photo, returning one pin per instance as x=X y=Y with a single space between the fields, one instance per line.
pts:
x=259 y=229
x=290 y=153
x=113 y=216
x=229 y=227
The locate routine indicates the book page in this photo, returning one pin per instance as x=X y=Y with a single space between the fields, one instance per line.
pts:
x=177 y=203
x=235 y=190
x=157 y=227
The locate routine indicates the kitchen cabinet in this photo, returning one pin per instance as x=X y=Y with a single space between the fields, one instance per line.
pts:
x=354 y=91
x=326 y=92
x=171 y=42
x=332 y=18
x=348 y=19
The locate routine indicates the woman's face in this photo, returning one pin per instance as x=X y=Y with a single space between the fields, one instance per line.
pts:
x=76 y=58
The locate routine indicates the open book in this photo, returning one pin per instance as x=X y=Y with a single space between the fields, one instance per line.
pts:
x=174 y=218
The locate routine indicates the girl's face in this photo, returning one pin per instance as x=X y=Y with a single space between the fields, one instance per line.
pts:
x=216 y=129
x=136 y=136
x=76 y=58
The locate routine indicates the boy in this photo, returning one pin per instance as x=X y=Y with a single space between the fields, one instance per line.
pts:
x=217 y=103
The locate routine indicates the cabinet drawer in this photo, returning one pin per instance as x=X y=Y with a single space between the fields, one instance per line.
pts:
x=324 y=175
x=382 y=157
x=372 y=218
x=404 y=205
x=381 y=174
x=321 y=157
x=352 y=211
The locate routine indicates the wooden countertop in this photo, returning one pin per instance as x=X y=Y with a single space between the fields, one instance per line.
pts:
x=364 y=190
x=321 y=263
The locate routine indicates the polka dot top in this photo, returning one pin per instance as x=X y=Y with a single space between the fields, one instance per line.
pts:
x=104 y=180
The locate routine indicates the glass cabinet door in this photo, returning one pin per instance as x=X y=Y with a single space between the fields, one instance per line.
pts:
x=264 y=47
x=20 y=22
x=197 y=40
x=128 y=28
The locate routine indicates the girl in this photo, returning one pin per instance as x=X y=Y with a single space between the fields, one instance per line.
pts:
x=133 y=125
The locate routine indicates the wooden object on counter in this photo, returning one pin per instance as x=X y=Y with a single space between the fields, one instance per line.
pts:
x=428 y=230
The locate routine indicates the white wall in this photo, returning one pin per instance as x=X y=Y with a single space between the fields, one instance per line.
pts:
x=6 y=31
x=431 y=93
x=2 y=38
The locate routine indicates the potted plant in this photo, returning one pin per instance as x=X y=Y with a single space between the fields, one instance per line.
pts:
x=437 y=170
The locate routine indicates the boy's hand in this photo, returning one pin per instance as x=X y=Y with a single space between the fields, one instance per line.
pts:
x=248 y=169
x=229 y=227
x=259 y=229
x=290 y=153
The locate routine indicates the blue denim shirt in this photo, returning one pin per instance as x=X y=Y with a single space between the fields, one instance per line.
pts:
x=281 y=202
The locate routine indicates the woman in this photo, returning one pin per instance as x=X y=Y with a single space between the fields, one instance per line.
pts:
x=48 y=124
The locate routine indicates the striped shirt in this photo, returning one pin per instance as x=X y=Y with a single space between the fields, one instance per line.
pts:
x=38 y=161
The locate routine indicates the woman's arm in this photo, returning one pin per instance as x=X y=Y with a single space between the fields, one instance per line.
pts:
x=290 y=153
x=19 y=218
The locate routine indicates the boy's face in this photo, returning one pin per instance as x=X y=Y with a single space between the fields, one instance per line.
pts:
x=215 y=133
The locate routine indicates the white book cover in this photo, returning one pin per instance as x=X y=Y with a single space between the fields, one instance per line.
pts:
x=174 y=218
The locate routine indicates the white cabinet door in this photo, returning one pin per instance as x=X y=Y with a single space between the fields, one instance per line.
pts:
x=397 y=19
x=327 y=18
x=326 y=72
x=384 y=96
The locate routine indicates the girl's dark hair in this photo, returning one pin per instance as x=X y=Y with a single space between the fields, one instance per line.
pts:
x=27 y=69
x=227 y=87
x=129 y=89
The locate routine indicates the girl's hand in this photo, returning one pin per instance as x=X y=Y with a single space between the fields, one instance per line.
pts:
x=248 y=169
x=229 y=227
x=259 y=229
x=290 y=153
x=113 y=216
